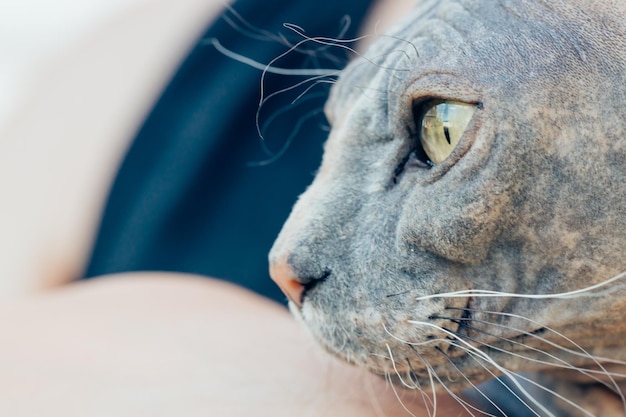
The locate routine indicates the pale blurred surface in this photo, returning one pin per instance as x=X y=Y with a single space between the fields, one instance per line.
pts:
x=174 y=345
x=33 y=32
x=73 y=110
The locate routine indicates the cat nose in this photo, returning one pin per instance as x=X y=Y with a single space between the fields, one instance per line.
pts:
x=287 y=280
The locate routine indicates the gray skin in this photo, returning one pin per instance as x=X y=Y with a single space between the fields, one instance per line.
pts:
x=531 y=201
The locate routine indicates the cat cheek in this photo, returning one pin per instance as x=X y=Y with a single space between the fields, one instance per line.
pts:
x=460 y=229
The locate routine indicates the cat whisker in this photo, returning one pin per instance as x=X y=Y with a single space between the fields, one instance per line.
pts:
x=432 y=375
x=397 y=395
x=395 y=368
x=275 y=115
x=563 y=364
x=315 y=80
x=289 y=139
x=610 y=383
x=431 y=372
x=470 y=349
x=315 y=52
x=463 y=403
x=495 y=377
x=262 y=98
x=555 y=394
x=328 y=42
x=248 y=29
x=581 y=352
x=428 y=402
x=513 y=376
x=269 y=68
x=316 y=75
x=471 y=384
x=563 y=295
x=316 y=83
x=322 y=79
x=343 y=44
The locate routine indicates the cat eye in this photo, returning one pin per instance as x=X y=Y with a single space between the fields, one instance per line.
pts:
x=441 y=125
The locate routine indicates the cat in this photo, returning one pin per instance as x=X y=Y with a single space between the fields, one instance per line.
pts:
x=468 y=219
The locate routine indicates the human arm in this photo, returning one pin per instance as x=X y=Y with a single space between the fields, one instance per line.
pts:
x=168 y=344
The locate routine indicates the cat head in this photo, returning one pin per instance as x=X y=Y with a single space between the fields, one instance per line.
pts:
x=479 y=147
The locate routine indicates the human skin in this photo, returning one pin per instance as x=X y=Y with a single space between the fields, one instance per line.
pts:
x=169 y=344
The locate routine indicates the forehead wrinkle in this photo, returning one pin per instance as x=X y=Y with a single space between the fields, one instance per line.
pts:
x=444 y=39
x=391 y=62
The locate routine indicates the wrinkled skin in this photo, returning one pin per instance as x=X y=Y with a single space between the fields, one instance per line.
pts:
x=531 y=201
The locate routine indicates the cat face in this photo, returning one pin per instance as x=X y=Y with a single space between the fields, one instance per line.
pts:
x=480 y=147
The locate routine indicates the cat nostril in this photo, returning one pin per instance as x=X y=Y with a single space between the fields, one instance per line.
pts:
x=287 y=280
x=292 y=284
x=311 y=283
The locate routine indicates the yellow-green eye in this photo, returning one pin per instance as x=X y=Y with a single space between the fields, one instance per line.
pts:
x=442 y=126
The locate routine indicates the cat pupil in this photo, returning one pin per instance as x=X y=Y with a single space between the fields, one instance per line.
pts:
x=446 y=131
x=442 y=126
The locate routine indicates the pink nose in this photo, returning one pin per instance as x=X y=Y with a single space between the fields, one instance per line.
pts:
x=286 y=279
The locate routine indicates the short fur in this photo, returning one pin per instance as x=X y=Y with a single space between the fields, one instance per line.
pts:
x=531 y=201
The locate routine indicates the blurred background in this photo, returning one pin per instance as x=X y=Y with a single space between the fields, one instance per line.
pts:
x=76 y=80
x=34 y=32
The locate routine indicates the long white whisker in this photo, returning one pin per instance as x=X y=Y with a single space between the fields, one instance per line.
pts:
x=583 y=353
x=432 y=384
x=317 y=80
x=470 y=382
x=339 y=39
x=428 y=402
x=326 y=41
x=393 y=364
x=288 y=141
x=473 y=355
x=417 y=386
x=562 y=365
x=334 y=41
x=485 y=357
x=339 y=43
x=556 y=394
x=316 y=83
x=612 y=384
x=276 y=114
x=540 y=325
x=432 y=376
x=463 y=403
x=433 y=401
x=268 y=68
x=513 y=375
x=395 y=392
x=432 y=373
x=252 y=31
x=495 y=377
x=488 y=293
